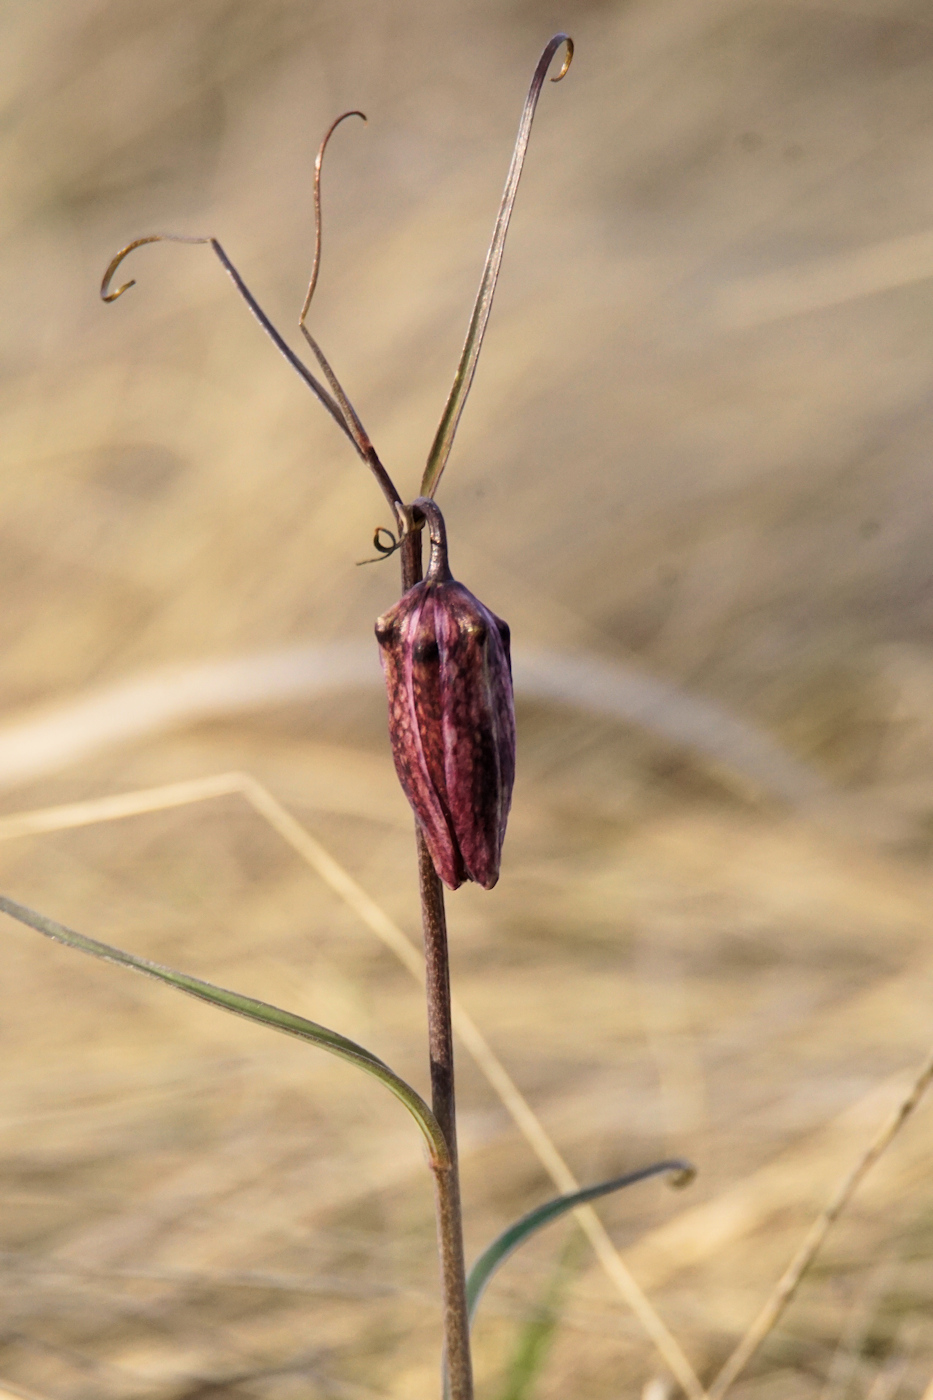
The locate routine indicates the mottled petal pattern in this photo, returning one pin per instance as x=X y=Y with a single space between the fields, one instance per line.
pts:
x=451 y=718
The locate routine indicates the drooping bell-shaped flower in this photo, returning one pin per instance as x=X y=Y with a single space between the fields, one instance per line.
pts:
x=451 y=718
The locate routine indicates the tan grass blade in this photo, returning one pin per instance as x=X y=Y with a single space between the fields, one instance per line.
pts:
x=119 y=806
x=114 y=808
x=789 y=1281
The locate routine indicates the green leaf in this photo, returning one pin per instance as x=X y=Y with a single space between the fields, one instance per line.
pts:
x=537 y=1333
x=443 y=439
x=510 y=1239
x=259 y=1011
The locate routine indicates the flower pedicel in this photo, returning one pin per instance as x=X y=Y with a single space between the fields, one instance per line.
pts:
x=451 y=718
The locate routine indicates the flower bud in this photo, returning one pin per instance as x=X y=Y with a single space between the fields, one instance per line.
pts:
x=451 y=719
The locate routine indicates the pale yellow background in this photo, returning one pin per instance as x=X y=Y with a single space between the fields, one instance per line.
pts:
x=699 y=446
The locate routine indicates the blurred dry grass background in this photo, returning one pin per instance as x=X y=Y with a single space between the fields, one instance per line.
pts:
x=698 y=445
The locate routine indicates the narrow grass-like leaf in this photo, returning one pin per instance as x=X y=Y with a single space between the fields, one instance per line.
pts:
x=530 y=1355
x=443 y=439
x=537 y=1333
x=510 y=1239
x=259 y=1011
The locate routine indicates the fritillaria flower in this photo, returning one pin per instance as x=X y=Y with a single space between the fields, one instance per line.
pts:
x=451 y=718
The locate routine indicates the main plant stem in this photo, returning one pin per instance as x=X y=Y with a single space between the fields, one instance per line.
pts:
x=441 y=1050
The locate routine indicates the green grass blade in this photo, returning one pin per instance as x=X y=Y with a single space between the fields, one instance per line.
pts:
x=252 y=1010
x=530 y=1355
x=536 y=1335
x=443 y=439
x=510 y=1239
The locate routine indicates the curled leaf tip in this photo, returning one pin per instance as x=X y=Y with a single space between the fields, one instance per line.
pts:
x=112 y=296
x=354 y=112
x=318 y=164
x=105 y=293
x=679 y=1172
x=463 y=378
x=350 y=419
x=568 y=56
x=683 y=1175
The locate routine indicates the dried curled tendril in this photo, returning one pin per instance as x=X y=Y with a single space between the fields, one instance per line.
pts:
x=385 y=550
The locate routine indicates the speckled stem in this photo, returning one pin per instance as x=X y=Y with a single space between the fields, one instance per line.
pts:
x=440 y=1041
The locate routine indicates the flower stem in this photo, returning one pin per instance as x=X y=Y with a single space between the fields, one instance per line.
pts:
x=441 y=1050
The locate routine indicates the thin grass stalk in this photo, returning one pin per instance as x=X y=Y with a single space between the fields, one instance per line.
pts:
x=457 y=1360
x=792 y=1277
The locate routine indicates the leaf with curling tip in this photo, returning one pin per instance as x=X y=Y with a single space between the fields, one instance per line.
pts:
x=681 y=1172
x=463 y=379
x=252 y=1010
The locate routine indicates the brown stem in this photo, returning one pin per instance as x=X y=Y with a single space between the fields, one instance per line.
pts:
x=441 y=1049
x=437 y=982
x=438 y=565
